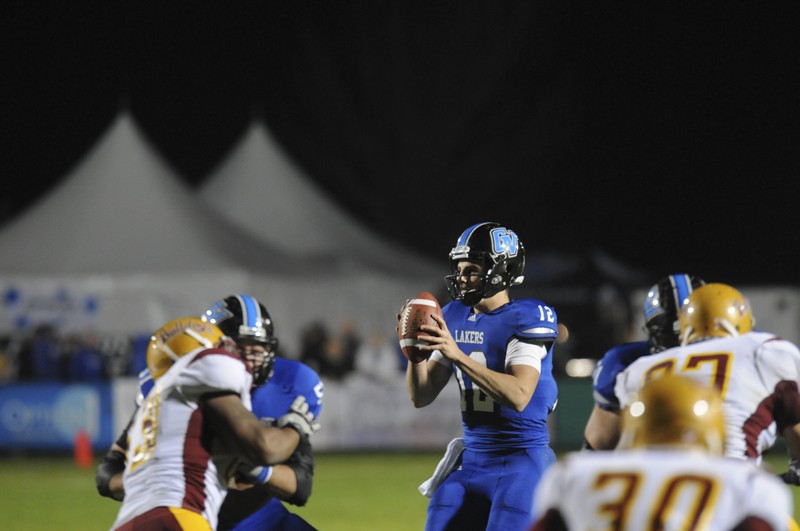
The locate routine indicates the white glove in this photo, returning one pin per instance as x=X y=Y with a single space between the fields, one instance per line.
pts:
x=300 y=419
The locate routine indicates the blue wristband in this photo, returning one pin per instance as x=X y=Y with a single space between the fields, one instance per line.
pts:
x=264 y=475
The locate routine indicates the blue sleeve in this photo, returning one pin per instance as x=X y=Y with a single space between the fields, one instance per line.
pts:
x=614 y=361
x=146 y=383
x=537 y=321
x=290 y=379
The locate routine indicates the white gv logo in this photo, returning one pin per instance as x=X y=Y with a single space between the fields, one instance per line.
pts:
x=504 y=241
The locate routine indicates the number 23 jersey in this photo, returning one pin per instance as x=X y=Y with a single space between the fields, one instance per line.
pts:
x=756 y=374
x=485 y=337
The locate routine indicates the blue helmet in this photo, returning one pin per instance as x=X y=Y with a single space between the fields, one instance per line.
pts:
x=498 y=250
x=661 y=306
x=244 y=319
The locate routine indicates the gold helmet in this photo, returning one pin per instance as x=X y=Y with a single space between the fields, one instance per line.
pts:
x=176 y=339
x=675 y=410
x=715 y=310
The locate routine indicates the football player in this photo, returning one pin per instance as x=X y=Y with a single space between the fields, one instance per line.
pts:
x=248 y=323
x=277 y=385
x=673 y=476
x=500 y=351
x=661 y=306
x=195 y=430
x=755 y=372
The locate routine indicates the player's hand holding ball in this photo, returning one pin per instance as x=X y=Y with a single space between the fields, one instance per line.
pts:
x=414 y=314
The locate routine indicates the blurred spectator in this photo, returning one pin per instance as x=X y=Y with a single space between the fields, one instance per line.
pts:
x=45 y=351
x=378 y=358
x=85 y=361
x=138 y=361
x=6 y=360
x=331 y=356
x=117 y=352
x=339 y=353
x=312 y=346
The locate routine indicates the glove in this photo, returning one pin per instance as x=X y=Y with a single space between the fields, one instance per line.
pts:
x=792 y=476
x=300 y=419
x=112 y=464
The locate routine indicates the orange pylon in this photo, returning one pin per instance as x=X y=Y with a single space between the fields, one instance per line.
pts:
x=84 y=456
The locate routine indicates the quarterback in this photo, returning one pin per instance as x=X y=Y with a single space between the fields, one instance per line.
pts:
x=500 y=352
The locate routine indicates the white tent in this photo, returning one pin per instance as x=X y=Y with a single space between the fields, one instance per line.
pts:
x=117 y=246
x=260 y=190
x=121 y=245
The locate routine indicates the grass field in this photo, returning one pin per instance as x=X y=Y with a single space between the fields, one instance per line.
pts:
x=352 y=492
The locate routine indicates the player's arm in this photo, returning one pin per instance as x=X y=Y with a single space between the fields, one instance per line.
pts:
x=239 y=504
x=603 y=429
x=792 y=436
x=512 y=389
x=290 y=482
x=425 y=380
x=245 y=435
x=108 y=476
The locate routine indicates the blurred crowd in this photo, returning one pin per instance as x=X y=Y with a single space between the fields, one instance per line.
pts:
x=45 y=353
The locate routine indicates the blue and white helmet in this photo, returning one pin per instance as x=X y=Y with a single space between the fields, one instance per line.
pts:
x=244 y=319
x=498 y=250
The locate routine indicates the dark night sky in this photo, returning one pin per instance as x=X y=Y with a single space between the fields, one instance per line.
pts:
x=668 y=137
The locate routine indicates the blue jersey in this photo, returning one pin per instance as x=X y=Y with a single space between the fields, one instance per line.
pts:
x=289 y=379
x=489 y=426
x=271 y=400
x=614 y=361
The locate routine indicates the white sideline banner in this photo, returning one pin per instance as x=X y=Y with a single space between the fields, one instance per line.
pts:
x=360 y=413
x=357 y=414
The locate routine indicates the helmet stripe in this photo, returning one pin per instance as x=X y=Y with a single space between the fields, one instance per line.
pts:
x=683 y=287
x=250 y=311
x=464 y=238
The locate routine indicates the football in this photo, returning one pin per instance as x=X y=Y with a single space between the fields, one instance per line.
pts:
x=415 y=313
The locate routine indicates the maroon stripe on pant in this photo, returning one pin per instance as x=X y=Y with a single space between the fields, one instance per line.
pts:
x=158 y=519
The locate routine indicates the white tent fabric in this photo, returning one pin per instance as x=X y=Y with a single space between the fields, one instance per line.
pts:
x=122 y=246
x=121 y=210
x=119 y=246
x=260 y=190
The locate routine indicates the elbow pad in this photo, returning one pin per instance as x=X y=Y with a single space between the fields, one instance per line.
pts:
x=112 y=464
x=302 y=463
